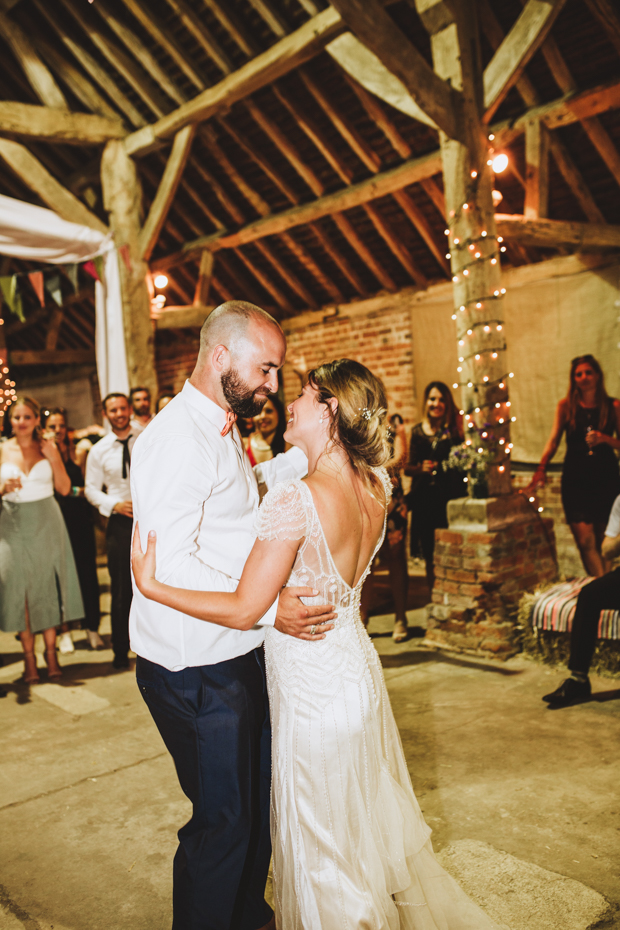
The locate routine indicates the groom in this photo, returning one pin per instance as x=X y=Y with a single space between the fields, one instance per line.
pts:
x=204 y=684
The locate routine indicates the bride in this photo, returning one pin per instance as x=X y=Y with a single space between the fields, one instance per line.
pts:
x=351 y=850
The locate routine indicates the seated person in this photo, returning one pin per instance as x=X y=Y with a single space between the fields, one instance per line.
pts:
x=601 y=594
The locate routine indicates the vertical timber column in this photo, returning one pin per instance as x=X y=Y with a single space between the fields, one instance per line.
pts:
x=473 y=244
x=122 y=198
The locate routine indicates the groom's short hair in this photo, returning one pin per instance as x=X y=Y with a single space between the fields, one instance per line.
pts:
x=229 y=321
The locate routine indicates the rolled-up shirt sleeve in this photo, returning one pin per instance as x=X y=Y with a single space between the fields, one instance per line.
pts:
x=291 y=464
x=93 y=486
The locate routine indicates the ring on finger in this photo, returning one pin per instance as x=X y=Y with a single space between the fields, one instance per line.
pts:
x=313 y=629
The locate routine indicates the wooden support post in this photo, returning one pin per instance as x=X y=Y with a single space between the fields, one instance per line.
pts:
x=536 y=170
x=203 y=284
x=121 y=198
x=472 y=242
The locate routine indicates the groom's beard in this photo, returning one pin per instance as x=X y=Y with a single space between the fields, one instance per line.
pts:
x=241 y=399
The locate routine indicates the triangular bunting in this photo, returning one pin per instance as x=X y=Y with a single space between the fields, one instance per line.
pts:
x=52 y=286
x=12 y=296
x=38 y=286
x=99 y=266
x=91 y=268
x=72 y=274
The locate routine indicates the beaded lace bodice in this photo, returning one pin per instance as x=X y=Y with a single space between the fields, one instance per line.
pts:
x=288 y=512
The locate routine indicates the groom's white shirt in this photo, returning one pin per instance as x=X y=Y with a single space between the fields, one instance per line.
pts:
x=198 y=491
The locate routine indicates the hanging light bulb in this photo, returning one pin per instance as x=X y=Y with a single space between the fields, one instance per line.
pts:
x=160 y=281
x=499 y=163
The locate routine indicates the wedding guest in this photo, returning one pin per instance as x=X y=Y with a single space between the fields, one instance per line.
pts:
x=162 y=401
x=140 y=400
x=84 y=439
x=78 y=517
x=601 y=594
x=39 y=585
x=108 y=467
x=267 y=439
x=432 y=487
x=393 y=551
x=590 y=476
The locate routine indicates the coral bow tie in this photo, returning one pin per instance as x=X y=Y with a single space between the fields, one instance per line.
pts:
x=230 y=419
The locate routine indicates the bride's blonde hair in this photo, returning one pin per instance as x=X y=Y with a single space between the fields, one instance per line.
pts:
x=359 y=425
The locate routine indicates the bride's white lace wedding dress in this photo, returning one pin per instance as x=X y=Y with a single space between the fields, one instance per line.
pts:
x=351 y=850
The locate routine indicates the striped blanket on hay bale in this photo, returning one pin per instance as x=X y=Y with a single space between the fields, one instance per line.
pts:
x=554 y=610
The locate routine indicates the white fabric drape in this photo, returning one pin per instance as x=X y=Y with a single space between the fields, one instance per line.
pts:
x=40 y=235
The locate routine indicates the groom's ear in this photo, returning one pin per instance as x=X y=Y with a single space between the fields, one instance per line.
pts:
x=221 y=358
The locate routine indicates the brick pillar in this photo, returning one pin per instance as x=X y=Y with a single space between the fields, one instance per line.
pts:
x=493 y=551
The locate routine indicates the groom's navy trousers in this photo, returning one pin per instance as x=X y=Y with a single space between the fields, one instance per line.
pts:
x=214 y=720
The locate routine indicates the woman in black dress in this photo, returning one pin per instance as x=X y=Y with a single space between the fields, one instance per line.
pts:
x=432 y=487
x=590 y=476
x=78 y=518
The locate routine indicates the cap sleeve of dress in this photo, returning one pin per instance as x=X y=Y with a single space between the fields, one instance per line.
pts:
x=283 y=513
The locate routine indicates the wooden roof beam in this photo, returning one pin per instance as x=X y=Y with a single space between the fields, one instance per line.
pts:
x=378 y=115
x=358 y=245
x=339 y=259
x=265 y=281
x=52 y=357
x=362 y=149
x=424 y=229
x=38 y=179
x=126 y=67
x=215 y=150
x=161 y=34
x=280 y=59
x=551 y=233
x=166 y=191
x=377 y=30
x=606 y=11
x=199 y=31
x=93 y=68
x=75 y=80
x=395 y=245
x=223 y=12
x=306 y=259
x=536 y=170
x=39 y=76
x=329 y=153
x=271 y=17
x=263 y=163
x=281 y=141
x=516 y=49
x=24 y=119
x=286 y=274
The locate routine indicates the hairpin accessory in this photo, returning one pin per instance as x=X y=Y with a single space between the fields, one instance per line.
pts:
x=365 y=413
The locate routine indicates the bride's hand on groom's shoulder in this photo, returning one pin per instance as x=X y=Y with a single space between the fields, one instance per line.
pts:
x=143 y=563
x=298 y=619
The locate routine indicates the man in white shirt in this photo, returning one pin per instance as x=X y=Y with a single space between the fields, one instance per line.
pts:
x=601 y=594
x=204 y=684
x=107 y=488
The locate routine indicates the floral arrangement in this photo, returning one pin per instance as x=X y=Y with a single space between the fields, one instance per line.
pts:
x=474 y=456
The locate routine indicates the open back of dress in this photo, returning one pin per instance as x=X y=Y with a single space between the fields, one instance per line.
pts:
x=351 y=850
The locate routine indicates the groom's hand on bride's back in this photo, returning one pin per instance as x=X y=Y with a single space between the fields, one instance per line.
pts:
x=298 y=619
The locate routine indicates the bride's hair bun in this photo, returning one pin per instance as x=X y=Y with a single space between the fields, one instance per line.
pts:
x=360 y=423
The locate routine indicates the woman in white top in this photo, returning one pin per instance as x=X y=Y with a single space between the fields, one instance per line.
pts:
x=39 y=587
x=351 y=849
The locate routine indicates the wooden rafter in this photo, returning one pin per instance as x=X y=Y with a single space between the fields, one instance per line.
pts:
x=166 y=191
x=148 y=19
x=574 y=179
x=265 y=281
x=53 y=328
x=280 y=59
x=549 y=233
x=286 y=274
x=24 y=119
x=53 y=357
x=30 y=170
x=536 y=170
x=223 y=12
x=362 y=149
x=340 y=260
x=93 y=68
x=202 y=35
x=516 y=49
x=378 y=115
x=271 y=17
x=39 y=76
x=423 y=227
x=251 y=195
x=307 y=260
x=395 y=245
x=314 y=133
x=75 y=80
x=257 y=157
x=281 y=141
x=606 y=11
x=378 y=31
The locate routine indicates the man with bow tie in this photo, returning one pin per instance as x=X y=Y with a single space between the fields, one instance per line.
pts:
x=107 y=487
x=204 y=684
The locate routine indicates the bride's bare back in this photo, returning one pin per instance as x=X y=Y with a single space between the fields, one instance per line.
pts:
x=351 y=519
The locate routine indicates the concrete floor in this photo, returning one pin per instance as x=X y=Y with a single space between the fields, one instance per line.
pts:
x=89 y=801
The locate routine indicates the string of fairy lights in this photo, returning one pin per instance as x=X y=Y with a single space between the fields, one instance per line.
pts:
x=479 y=320
x=7 y=388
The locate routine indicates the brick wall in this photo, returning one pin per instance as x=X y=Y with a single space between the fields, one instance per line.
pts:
x=479 y=580
x=569 y=560
x=377 y=336
x=174 y=366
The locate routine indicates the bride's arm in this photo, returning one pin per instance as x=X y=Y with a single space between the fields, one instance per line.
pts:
x=266 y=571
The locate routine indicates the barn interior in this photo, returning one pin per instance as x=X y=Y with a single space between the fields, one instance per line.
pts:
x=430 y=187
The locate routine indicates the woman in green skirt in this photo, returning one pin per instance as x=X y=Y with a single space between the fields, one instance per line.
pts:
x=39 y=587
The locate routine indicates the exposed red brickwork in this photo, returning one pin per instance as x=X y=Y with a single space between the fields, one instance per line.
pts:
x=380 y=339
x=480 y=578
x=174 y=370
x=569 y=561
